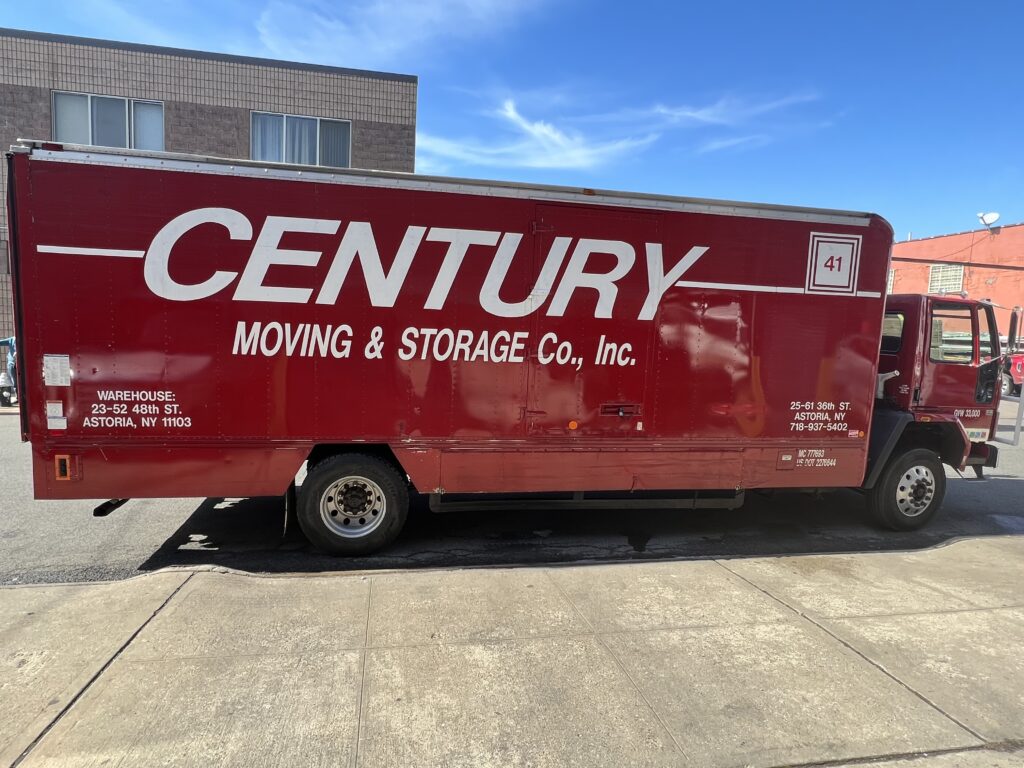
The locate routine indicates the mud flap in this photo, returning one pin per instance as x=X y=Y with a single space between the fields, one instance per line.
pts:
x=886 y=429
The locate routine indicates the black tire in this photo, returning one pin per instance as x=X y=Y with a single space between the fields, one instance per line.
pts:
x=1006 y=385
x=369 y=515
x=909 y=491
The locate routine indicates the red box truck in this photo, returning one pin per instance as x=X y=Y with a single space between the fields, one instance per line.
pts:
x=205 y=327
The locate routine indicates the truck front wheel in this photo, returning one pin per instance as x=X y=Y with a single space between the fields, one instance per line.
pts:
x=909 y=492
x=352 y=504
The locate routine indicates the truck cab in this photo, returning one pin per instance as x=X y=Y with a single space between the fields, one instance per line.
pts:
x=947 y=354
x=939 y=372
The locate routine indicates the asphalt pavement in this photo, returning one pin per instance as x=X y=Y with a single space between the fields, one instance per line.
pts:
x=60 y=541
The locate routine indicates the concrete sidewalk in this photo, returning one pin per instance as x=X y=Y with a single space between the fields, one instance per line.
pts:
x=916 y=660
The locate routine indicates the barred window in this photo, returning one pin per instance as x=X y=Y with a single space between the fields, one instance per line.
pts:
x=946 y=278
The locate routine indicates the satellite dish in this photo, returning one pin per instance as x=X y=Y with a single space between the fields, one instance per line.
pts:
x=988 y=219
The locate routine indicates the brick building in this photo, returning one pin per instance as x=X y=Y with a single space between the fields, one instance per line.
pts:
x=984 y=263
x=86 y=91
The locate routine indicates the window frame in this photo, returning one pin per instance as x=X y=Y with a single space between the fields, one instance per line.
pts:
x=163 y=122
x=938 y=306
x=284 y=137
x=129 y=116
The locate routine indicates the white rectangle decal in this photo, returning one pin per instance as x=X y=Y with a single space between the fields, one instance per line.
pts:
x=57 y=370
x=833 y=263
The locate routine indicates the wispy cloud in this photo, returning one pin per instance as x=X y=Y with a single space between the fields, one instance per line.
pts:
x=726 y=111
x=525 y=143
x=734 y=142
x=731 y=110
x=379 y=33
x=591 y=140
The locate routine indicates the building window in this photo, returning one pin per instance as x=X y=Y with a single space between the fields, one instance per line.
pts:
x=890 y=281
x=280 y=138
x=108 y=121
x=946 y=278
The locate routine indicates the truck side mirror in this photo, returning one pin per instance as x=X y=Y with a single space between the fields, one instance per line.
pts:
x=1011 y=336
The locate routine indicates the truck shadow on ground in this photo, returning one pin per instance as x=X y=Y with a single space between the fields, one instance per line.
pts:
x=249 y=535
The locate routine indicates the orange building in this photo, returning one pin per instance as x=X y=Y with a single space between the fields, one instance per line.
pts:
x=984 y=263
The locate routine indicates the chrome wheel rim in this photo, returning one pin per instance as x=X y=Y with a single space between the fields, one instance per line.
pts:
x=915 y=491
x=353 y=507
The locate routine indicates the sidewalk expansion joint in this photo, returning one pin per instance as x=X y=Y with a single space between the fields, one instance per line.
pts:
x=881 y=668
x=361 y=703
x=99 y=673
x=607 y=649
x=1009 y=747
x=942 y=612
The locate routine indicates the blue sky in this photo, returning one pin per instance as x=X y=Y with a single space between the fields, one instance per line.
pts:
x=910 y=109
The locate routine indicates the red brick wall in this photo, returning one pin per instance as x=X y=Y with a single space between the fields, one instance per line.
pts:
x=1004 y=245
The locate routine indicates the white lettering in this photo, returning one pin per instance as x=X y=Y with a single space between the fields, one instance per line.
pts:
x=245 y=344
x=358 y=242
x=408 y=349
x=157 y=264
x=346 y=345
x=267 y=348
x=604 y=283
x=385 y=284
x=460 y=240
x=658 y=281
x=444 y=344
x=490 y=293
x=266 y=253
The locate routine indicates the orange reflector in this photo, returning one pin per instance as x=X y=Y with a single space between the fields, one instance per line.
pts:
x=67 y=466
x=574 y=424
x=62 y=466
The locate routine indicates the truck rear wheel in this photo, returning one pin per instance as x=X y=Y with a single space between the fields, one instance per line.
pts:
x=1006 y=384
x=352 y=504
x=909 y=492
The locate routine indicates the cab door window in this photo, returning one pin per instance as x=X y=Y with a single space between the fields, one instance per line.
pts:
x=892 y=332
x=988 y=339
x=952 y=334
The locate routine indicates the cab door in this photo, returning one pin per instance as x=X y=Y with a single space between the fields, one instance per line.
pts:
x=901 y=350
x=961 y=367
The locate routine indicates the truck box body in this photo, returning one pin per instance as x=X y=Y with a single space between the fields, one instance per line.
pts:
x=197 y=327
